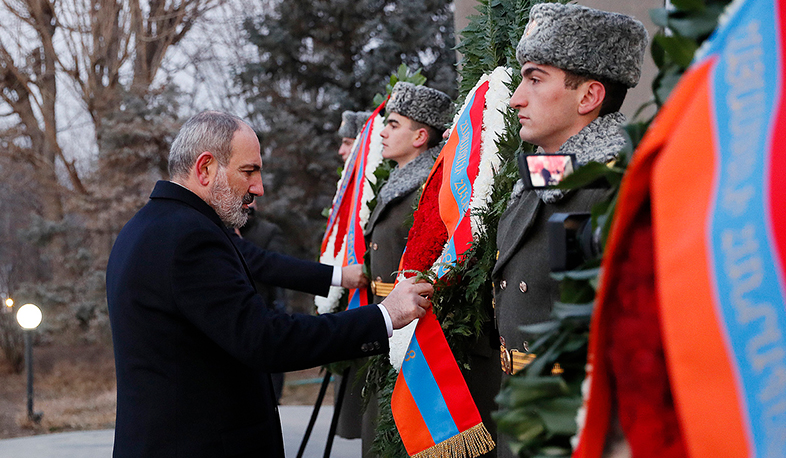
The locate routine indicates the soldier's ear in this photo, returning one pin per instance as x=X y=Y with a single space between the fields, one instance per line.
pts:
x=421 y=138
x=591 y=93
x=205 y=168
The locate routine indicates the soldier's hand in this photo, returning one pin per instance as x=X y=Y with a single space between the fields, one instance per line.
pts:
x=352 y=276
x=408 y=300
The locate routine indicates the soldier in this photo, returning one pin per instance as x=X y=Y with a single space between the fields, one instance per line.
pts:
x=351 y=124
x=577 y=65
x=417 y=116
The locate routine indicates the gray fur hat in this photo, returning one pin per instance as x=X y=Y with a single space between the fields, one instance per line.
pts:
x=584 y=41
x=422 y=104
x=352 y=122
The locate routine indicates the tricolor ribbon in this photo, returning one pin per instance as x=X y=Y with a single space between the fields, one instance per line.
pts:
x=343 y=241
x=711 y=165
x=432 y=406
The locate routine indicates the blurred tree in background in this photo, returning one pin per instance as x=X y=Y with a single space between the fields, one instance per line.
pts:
x=315 y=59
x=93 y=92
x=66 y=198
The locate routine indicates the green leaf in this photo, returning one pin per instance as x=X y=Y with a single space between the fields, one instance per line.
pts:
x=679 y=49
x=540 y=328
x=688 y=5
x=667 y=82
x=590 y=173
x=520 y=390
x=554 y=452
x=559 y=414
x=695 y=25
x=562 y=310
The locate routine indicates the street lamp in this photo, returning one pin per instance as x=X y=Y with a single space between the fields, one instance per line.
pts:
x=29 y=317
x=9 y=305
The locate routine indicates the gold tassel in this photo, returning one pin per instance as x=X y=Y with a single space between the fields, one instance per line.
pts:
x=471 y=443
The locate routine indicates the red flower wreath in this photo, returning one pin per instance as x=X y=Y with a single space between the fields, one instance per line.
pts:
x=635 y=352
x=428 y=234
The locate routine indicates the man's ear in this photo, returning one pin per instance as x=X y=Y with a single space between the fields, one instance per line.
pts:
x=592 y=95
x=421 y=138
x=205 y=166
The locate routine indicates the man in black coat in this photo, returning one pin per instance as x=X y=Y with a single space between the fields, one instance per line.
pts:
x=193 y=341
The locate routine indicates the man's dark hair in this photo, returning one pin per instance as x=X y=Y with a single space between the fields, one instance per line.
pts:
x=434 y=135
x=615 y=92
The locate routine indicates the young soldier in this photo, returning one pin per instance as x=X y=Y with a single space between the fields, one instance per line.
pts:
x=577 y=65
x=413 y=131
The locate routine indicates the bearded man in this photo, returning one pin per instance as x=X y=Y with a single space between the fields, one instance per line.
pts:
x=194 y=343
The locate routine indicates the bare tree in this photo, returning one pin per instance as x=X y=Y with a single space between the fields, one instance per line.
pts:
x=105 y=51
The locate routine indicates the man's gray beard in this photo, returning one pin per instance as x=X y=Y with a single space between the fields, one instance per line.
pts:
x=228 y=206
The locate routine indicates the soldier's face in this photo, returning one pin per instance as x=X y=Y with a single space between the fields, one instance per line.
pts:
x=346 y=148
x=547 y=109
x=399 y=139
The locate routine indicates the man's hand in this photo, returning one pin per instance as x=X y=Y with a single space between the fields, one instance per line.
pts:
x=352 y=277
x=407 y=301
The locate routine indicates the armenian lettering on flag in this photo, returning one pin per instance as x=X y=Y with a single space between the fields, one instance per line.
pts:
x=709 y=168
x=432 y=406
x=343 y=243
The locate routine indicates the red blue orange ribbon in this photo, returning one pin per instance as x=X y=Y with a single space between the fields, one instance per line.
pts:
x=432 y=406
x=711 y=164
x=348 y=205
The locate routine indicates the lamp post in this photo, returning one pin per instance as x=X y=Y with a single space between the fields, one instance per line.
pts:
x=29 y=317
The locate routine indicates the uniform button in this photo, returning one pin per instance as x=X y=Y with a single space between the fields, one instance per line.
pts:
x=503 y=284
x=364 y=347
x=523 y=287
x=374 y=246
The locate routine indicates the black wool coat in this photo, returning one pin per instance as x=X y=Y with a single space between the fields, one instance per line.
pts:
x=193 y=341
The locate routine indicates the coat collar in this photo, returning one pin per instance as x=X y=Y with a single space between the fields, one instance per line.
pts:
x=173 y=191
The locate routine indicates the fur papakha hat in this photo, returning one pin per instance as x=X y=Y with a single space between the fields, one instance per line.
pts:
x=352 y=122
x=584 y=41
x=422 y=104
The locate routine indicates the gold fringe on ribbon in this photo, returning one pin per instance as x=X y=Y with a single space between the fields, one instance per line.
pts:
x=470 y=443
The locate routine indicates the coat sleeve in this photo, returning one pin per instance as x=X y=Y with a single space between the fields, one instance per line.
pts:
x=285 y=271
x=213 y=291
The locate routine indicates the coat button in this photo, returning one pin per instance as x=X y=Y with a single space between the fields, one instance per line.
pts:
x=374 y=246
x=503 y=284
x=523 y=287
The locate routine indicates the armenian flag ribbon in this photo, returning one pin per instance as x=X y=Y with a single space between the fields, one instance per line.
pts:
x=345 y=223
x=432 y=406
x=709 y=165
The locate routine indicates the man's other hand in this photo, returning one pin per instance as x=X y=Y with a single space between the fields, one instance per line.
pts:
x=352 y=277
x=408 y=300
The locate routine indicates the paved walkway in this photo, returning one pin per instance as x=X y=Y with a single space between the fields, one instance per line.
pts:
x=98 y=444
